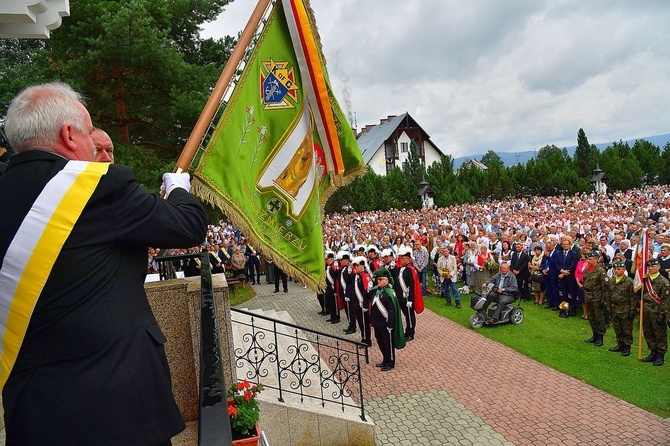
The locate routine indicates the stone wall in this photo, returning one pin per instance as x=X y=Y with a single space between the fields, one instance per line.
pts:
x=176 y=304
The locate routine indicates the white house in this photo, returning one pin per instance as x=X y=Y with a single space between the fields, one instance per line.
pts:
x=386 y=145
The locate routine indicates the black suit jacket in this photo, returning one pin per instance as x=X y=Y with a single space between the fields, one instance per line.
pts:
x=519 y=261
x=628 y=256
x=92 y=368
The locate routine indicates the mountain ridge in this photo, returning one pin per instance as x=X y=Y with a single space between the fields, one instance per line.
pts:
x=512 y=158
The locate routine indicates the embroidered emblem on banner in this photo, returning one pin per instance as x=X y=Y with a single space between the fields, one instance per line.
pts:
x=278 y=87
x=274 y=205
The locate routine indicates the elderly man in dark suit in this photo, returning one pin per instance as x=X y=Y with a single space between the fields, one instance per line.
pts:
x=519 y=266
x=567 y=261
x=83 y=360
x=552 y=253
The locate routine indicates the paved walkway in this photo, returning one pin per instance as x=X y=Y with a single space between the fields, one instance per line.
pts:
x=442 y=392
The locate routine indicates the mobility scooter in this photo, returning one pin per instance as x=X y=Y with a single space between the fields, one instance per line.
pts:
x=512 y=313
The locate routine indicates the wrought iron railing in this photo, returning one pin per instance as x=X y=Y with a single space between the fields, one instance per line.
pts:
x=307 y=363
x=329 y=374
x=213 y=423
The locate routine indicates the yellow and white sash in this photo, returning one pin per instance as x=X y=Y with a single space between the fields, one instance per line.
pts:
x=35 y=248
x=225 y=253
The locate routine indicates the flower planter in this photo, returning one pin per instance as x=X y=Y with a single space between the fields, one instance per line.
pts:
x=249 y=441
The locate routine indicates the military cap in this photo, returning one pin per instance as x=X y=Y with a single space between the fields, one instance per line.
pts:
x=592 y=254
x=619 y=264
x=651 y=262
x=372 y=248
x=330 y=254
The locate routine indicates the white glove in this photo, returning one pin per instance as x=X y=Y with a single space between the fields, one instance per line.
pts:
x=409 y=304
x=346 y=299
x=171 y=181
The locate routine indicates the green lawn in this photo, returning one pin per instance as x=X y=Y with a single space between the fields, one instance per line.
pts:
x=559 y=343
x=241 y=294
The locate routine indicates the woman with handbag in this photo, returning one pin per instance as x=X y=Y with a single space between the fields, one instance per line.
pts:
x=537 y=278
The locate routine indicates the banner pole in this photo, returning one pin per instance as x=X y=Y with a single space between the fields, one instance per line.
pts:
x=208 y=112
x=639 y=335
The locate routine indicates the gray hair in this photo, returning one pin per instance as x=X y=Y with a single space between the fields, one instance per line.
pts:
x=37 y=114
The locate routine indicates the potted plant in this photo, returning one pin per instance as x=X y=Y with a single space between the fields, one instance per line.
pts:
x=244 y=412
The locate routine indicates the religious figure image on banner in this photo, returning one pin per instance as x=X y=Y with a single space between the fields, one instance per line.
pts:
x=291 y=168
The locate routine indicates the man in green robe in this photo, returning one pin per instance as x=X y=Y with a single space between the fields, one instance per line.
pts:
x=384 y=316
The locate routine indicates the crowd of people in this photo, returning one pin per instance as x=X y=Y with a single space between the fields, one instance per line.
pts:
x=541 y=245
x=230 y=252
x=565 y=253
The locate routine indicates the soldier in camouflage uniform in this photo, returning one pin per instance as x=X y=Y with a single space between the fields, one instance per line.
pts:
x=594 y=286
x=655 y=314
x=621 y=301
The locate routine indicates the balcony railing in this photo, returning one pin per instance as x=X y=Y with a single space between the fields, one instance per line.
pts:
x=329 y=372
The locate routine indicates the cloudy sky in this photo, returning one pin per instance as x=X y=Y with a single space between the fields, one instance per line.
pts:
x=507 y=76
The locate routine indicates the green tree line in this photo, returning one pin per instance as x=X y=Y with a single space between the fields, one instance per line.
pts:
x=551 y=172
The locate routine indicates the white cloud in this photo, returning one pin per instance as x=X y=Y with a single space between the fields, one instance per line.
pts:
x=506 y=76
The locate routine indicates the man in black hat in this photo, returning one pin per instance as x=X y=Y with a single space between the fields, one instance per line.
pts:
x=655 y=297
x=344 y=282
x=594 y=286
x=354 y=304
x=360 y=300
x=332 y=276
x=621 y=302
x=406 y=289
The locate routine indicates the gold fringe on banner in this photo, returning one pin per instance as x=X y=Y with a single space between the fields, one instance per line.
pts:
x=201 y=190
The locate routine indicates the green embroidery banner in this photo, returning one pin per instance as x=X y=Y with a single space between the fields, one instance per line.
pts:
x=265 y=164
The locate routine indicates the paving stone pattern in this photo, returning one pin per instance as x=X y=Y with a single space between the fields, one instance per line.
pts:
x=443 y=391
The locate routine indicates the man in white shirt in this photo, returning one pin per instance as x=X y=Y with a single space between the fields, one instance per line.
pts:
x=447 y=268
x=606 y=248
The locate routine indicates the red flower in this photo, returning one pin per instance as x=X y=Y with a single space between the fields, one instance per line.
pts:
x=243 y=385
x=232 y=411
x=247 y=395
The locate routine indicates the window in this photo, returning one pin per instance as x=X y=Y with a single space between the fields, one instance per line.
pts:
x=404 y=147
